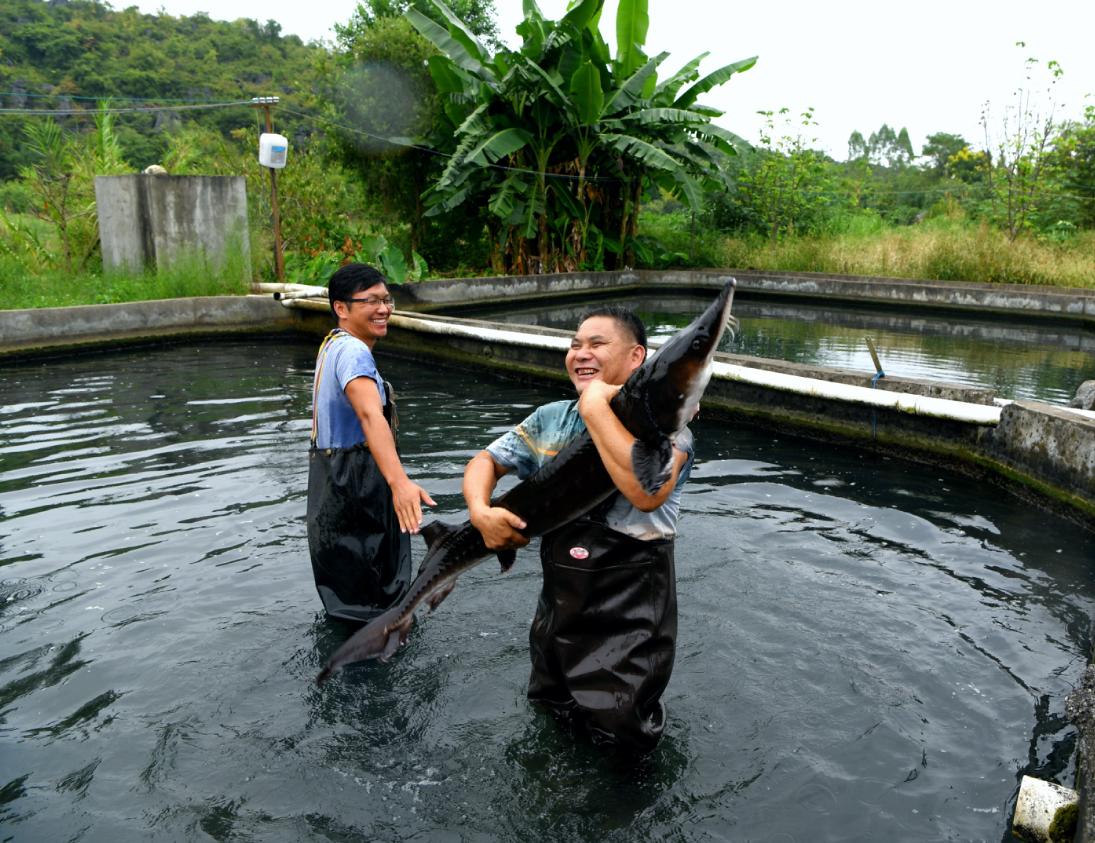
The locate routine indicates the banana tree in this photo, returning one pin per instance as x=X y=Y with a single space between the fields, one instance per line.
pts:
x=560 y=140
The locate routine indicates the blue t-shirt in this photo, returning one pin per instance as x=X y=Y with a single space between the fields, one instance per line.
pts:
x=541 y=436
x=342 y=358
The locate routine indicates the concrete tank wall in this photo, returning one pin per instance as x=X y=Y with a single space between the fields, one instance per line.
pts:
x=1034 y=303
x=1047 y=450
x=159 y=221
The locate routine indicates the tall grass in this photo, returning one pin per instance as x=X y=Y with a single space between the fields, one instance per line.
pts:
x=942 y=249
x=936 y=250
x=190 y=276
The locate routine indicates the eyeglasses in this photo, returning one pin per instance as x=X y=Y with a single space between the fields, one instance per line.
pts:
x=373 y=301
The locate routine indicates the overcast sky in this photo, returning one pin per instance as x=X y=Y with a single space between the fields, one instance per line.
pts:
x=929 y=65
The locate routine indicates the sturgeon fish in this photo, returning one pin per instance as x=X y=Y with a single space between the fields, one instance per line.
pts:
x=655 y=405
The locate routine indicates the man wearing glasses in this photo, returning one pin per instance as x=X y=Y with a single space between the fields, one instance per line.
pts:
x=362 y=506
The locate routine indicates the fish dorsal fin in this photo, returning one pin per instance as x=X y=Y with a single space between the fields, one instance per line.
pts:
x=437 y=531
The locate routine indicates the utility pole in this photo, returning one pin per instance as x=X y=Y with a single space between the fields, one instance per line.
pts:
x=265 y=104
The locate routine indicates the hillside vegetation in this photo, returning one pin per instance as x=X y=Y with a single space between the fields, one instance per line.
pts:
x=420 y=143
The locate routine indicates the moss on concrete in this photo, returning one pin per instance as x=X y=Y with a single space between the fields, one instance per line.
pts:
x=1062 y=829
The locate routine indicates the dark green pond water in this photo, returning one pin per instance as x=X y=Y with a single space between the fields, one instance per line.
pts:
x=1017 y=359
x=868 y=649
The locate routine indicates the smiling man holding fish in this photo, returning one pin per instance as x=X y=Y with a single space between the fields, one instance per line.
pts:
x=603 y=639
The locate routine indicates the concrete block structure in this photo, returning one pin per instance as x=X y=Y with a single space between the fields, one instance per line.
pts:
x=157 y=221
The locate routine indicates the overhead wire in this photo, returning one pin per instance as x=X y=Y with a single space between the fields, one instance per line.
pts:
x=111 y=97
x=148 y=109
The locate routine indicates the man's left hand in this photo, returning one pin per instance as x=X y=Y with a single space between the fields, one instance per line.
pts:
x=407 y=500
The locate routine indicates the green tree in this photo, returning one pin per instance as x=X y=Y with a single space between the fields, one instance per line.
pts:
x=61 y=180
x=940 y=148
x=857 y=147
x=887 y=148
x=787 y=185
x=1021 y=145
x=904 y=146
x=69 y=55
x=477 y=15
x=560 y=140
x=1074 y=164
x=382 y=99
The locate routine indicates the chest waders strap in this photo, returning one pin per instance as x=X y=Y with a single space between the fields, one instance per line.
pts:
x=321 y=356
x=389 y=410
x=390 y=413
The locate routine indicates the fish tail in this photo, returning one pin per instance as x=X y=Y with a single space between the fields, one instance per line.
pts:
x=372 y=641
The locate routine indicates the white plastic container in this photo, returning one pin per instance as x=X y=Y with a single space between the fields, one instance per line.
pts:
x=273 y=150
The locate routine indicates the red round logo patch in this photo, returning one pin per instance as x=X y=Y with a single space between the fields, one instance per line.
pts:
x=579 y=553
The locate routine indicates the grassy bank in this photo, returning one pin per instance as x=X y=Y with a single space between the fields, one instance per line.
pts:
x=57 y=288
x=936 y=250
x=941 y=250
x=981 y=254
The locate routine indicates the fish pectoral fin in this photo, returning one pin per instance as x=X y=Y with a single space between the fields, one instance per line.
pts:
x=507 y=558
x=395 y=638
x=652 y=463
x=437 y=531
x=435 y=599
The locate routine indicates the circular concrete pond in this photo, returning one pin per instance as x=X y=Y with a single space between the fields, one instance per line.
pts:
x=869 y=649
